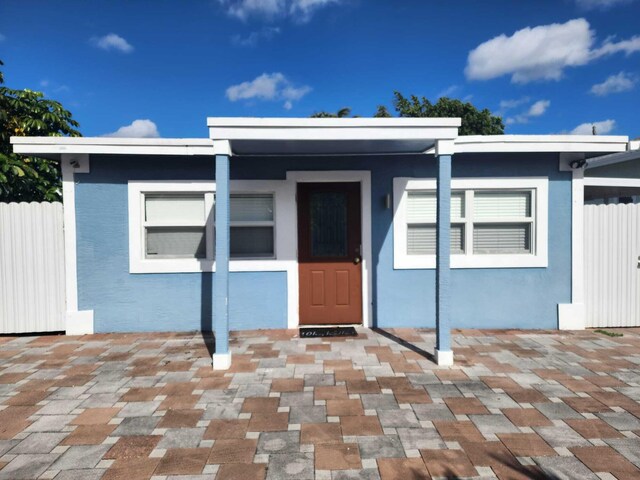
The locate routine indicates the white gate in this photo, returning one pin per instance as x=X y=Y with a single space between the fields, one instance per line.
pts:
x=612 y=265
x=32 y=295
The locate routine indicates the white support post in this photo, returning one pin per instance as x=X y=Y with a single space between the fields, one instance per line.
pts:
x=76 y=322
x=572 y=316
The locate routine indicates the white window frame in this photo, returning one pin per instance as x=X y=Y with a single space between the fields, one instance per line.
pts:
x=539 y=186
x=138 y=263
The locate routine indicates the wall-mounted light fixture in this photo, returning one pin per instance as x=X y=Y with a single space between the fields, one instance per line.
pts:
x=387 y=201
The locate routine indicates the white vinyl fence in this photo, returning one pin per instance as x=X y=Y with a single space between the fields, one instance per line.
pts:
x=612 y=265
x=32 y=295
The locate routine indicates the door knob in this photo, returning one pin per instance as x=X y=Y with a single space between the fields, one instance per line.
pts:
x=357 y=260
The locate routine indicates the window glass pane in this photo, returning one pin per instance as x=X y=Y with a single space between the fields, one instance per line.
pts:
x=502 y=204
x=174 y=208
x=251 y=242
x=421 y=206
x=505 y=238
x=176 y=242
x=328 y=224
x=251 y=208
x=421 y=239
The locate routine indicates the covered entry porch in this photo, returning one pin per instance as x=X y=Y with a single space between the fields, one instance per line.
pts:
x=328 y=251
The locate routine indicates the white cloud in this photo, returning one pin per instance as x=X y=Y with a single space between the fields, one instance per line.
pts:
x=602 y=128
x=610 y=47
x=251 y=40
x=298 y=10
x=621 y=82
x=112 y=41
x=44 y=83
x=142 y=128
x=303 y=10
x=537 y=109
x=268 y=87
x=601 y=4
x=542 y=53
x=450 y=90
x=511 y=104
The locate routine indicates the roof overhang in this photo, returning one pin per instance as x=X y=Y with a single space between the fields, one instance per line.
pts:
x=53 y=147
x=540 y=144
x=613 y=158
x=332 y=136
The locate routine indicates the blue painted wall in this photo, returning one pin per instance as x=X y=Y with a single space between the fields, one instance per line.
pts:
x=125 y=302
x=481 y=298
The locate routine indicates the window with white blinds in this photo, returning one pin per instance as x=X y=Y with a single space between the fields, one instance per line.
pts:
x=421 y=223
x=495 y=222
x=500 y=222
x=174 y=225
x=252 y=226
x=503 y=222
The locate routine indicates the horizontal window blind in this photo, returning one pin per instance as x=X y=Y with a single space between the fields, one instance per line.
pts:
x=502 y=205
x=175 y=242
x=179 y=208
x=421 y=239
x=250 y=237
x=510 y=238
x=251 y=242
x=421 y=206
x=251 y=208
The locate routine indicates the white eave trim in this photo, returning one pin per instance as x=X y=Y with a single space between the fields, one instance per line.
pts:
x=613 y=159
x=540 y=143
x=333 y=129
x=110 y=145
x=345 y=123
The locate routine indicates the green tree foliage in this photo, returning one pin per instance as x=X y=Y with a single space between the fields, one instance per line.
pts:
x=28 y=113
x=474 y=121
x=382 y=112
x=342 y=113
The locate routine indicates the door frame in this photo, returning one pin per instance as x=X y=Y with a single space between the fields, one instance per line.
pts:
x=335 y=176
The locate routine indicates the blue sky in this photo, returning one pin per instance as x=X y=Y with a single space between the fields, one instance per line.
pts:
x=148 y=68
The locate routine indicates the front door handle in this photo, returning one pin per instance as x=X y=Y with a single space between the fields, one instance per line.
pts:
x=357 y=260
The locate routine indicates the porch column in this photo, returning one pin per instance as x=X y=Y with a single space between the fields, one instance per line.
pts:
x=222 y=355
x=443 y=353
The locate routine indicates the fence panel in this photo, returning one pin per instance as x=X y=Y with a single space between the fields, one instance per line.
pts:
x=612 y=265
x=32 y=283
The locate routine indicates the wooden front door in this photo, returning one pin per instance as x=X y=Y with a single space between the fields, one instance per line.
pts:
x=329 y=253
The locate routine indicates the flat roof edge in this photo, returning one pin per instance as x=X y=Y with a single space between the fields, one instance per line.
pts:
x=542 y=139
x=169 y=142
x=284 y=122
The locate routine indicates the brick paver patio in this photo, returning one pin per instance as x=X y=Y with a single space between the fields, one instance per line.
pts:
x=516 y=405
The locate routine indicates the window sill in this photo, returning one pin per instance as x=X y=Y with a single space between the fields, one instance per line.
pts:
x=202 y=266
x=420 y=262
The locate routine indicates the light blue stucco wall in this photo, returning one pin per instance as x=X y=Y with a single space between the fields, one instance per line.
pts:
x=155 y=302
x=481 y=298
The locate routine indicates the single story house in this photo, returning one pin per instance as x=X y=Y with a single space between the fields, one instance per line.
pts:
x=284 y=222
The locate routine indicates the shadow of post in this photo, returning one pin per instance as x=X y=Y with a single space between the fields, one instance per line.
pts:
x=206 y=312
x=406 y=344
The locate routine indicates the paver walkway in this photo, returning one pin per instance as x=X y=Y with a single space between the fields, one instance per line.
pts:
x=516 y=405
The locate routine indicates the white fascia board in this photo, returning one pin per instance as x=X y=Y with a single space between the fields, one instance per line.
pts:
x=111 y=141
x=540 y=143
x=333 y=133
x=255 y=122
x=106 y=146
x=613 y=159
